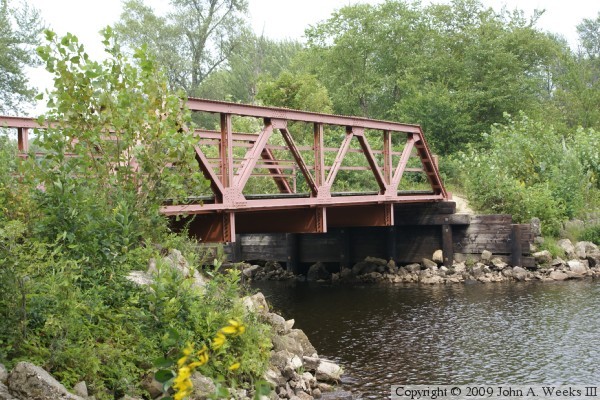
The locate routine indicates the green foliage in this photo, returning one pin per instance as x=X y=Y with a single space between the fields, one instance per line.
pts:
x=591 y=234
x=77 y=220
x=190 y=42
x=20 y=29
x=530 y=170
x=295 y=91
x=452 y=68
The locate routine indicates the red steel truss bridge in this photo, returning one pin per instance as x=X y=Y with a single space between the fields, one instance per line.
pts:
x=281 y=170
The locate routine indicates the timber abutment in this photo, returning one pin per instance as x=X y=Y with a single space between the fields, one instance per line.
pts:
x=429 y=243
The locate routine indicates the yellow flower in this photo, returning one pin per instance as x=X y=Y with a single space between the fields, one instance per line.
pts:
x=182 y=383
x=218 y=341
x=234 y=328
x=203 y=355
x=235 y=366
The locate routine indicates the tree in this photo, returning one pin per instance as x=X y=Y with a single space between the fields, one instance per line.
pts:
x=454 y=68
x=256 y=58
x=589 y=36
x=20 y=29
x=191 y=41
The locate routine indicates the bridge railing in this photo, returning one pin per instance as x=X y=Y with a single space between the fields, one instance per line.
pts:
x=304 y=154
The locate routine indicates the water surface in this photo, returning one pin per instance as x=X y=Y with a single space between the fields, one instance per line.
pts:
x=507 y=333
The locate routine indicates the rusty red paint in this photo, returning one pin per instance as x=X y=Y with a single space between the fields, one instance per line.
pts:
x=232 y=211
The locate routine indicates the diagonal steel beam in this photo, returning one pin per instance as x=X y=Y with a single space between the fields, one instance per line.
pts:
x=252 y=156
x=282 y=183
x=299 y=160
x=209 y=173
x=364 y=144
x=408 y=147
x=335 y=167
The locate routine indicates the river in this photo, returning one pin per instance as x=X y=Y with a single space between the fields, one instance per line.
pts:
x=509 y=333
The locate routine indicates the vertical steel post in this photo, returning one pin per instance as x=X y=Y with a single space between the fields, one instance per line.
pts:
x=23 y=140
x=387 y=157
x=447 y=248
x=226 y=151
x=319 y=155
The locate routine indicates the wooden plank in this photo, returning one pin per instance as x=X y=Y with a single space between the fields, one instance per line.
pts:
x=447 y=248
x=420 y=219
x=292 y=260
x=516 y=249
x=345 y=248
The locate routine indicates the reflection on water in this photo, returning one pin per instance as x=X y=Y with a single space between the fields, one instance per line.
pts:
x=449 y=334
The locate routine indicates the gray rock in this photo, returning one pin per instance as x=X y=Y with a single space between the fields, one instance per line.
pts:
x=30 y=382
x=486 y=255
x=577 y=267
x=431 y=279
x=459 y=268
x=412 y=268
x=325 y=387
x=477 y=270
x=363 y=267
x=279 y=359
x=339 y=395
x=140 y=278
x=593 y=259
x=250 y=272
x=377 y=261
x=203 y=387
x=507 y=272
x=438 y=256
x=519 y=273
x=329 y=372
x=557 y=262
x=3 y=374
x=5 y=394
x=567 y=246
x=498 y=264
x=277 y=322
x=288 y=344
x=274 y=377
x=256 y=303
x=290 y=324
x=428 y=264
x=543 y=257
x=558 y=276
x=80 y=389
x=311 y=363
x=300 y=337
x=152 y=386
x=317 y=393
x=317 y=272
x=536 y=227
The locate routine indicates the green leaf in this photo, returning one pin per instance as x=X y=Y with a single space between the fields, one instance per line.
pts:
x=164 y=375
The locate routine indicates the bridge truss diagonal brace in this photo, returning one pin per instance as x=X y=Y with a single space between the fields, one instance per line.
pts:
x=359 y=133
x=299 y=160
x=215 y=184
x=252 y=156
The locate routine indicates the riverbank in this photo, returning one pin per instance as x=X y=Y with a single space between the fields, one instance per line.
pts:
x=582 y=260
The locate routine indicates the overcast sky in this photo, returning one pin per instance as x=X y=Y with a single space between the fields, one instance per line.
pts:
x=278 y=19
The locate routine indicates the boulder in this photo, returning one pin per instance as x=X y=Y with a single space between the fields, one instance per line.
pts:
x=329 y=372
x=543 y=257
x=431 y=279
x=459 y=268
x=30 y=382
x=3 y=374
x=250 y=272
x=317 y=272
x=5 y=394
x=593 y=259
x=152 y=386
x=428 y=264
x=339 y=395
x=498 y=264
x=438 y=256
x=412 y=268
x=582 y=249
x=203 y=387
x=256 y=303
x=140 y=278
x=486 y=255
x=311 y=363
x=567 y=246
x=346 y=273
x=300 y=337
x=277 y=322
x=377 y=261
x=274 y=377
x=519 y=273
x=536 y=227
x=287 y=343
x=80 y=389
x=363 y=267
x=577 y=267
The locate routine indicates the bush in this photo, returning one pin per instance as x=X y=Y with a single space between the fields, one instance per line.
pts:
x=591 y=234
